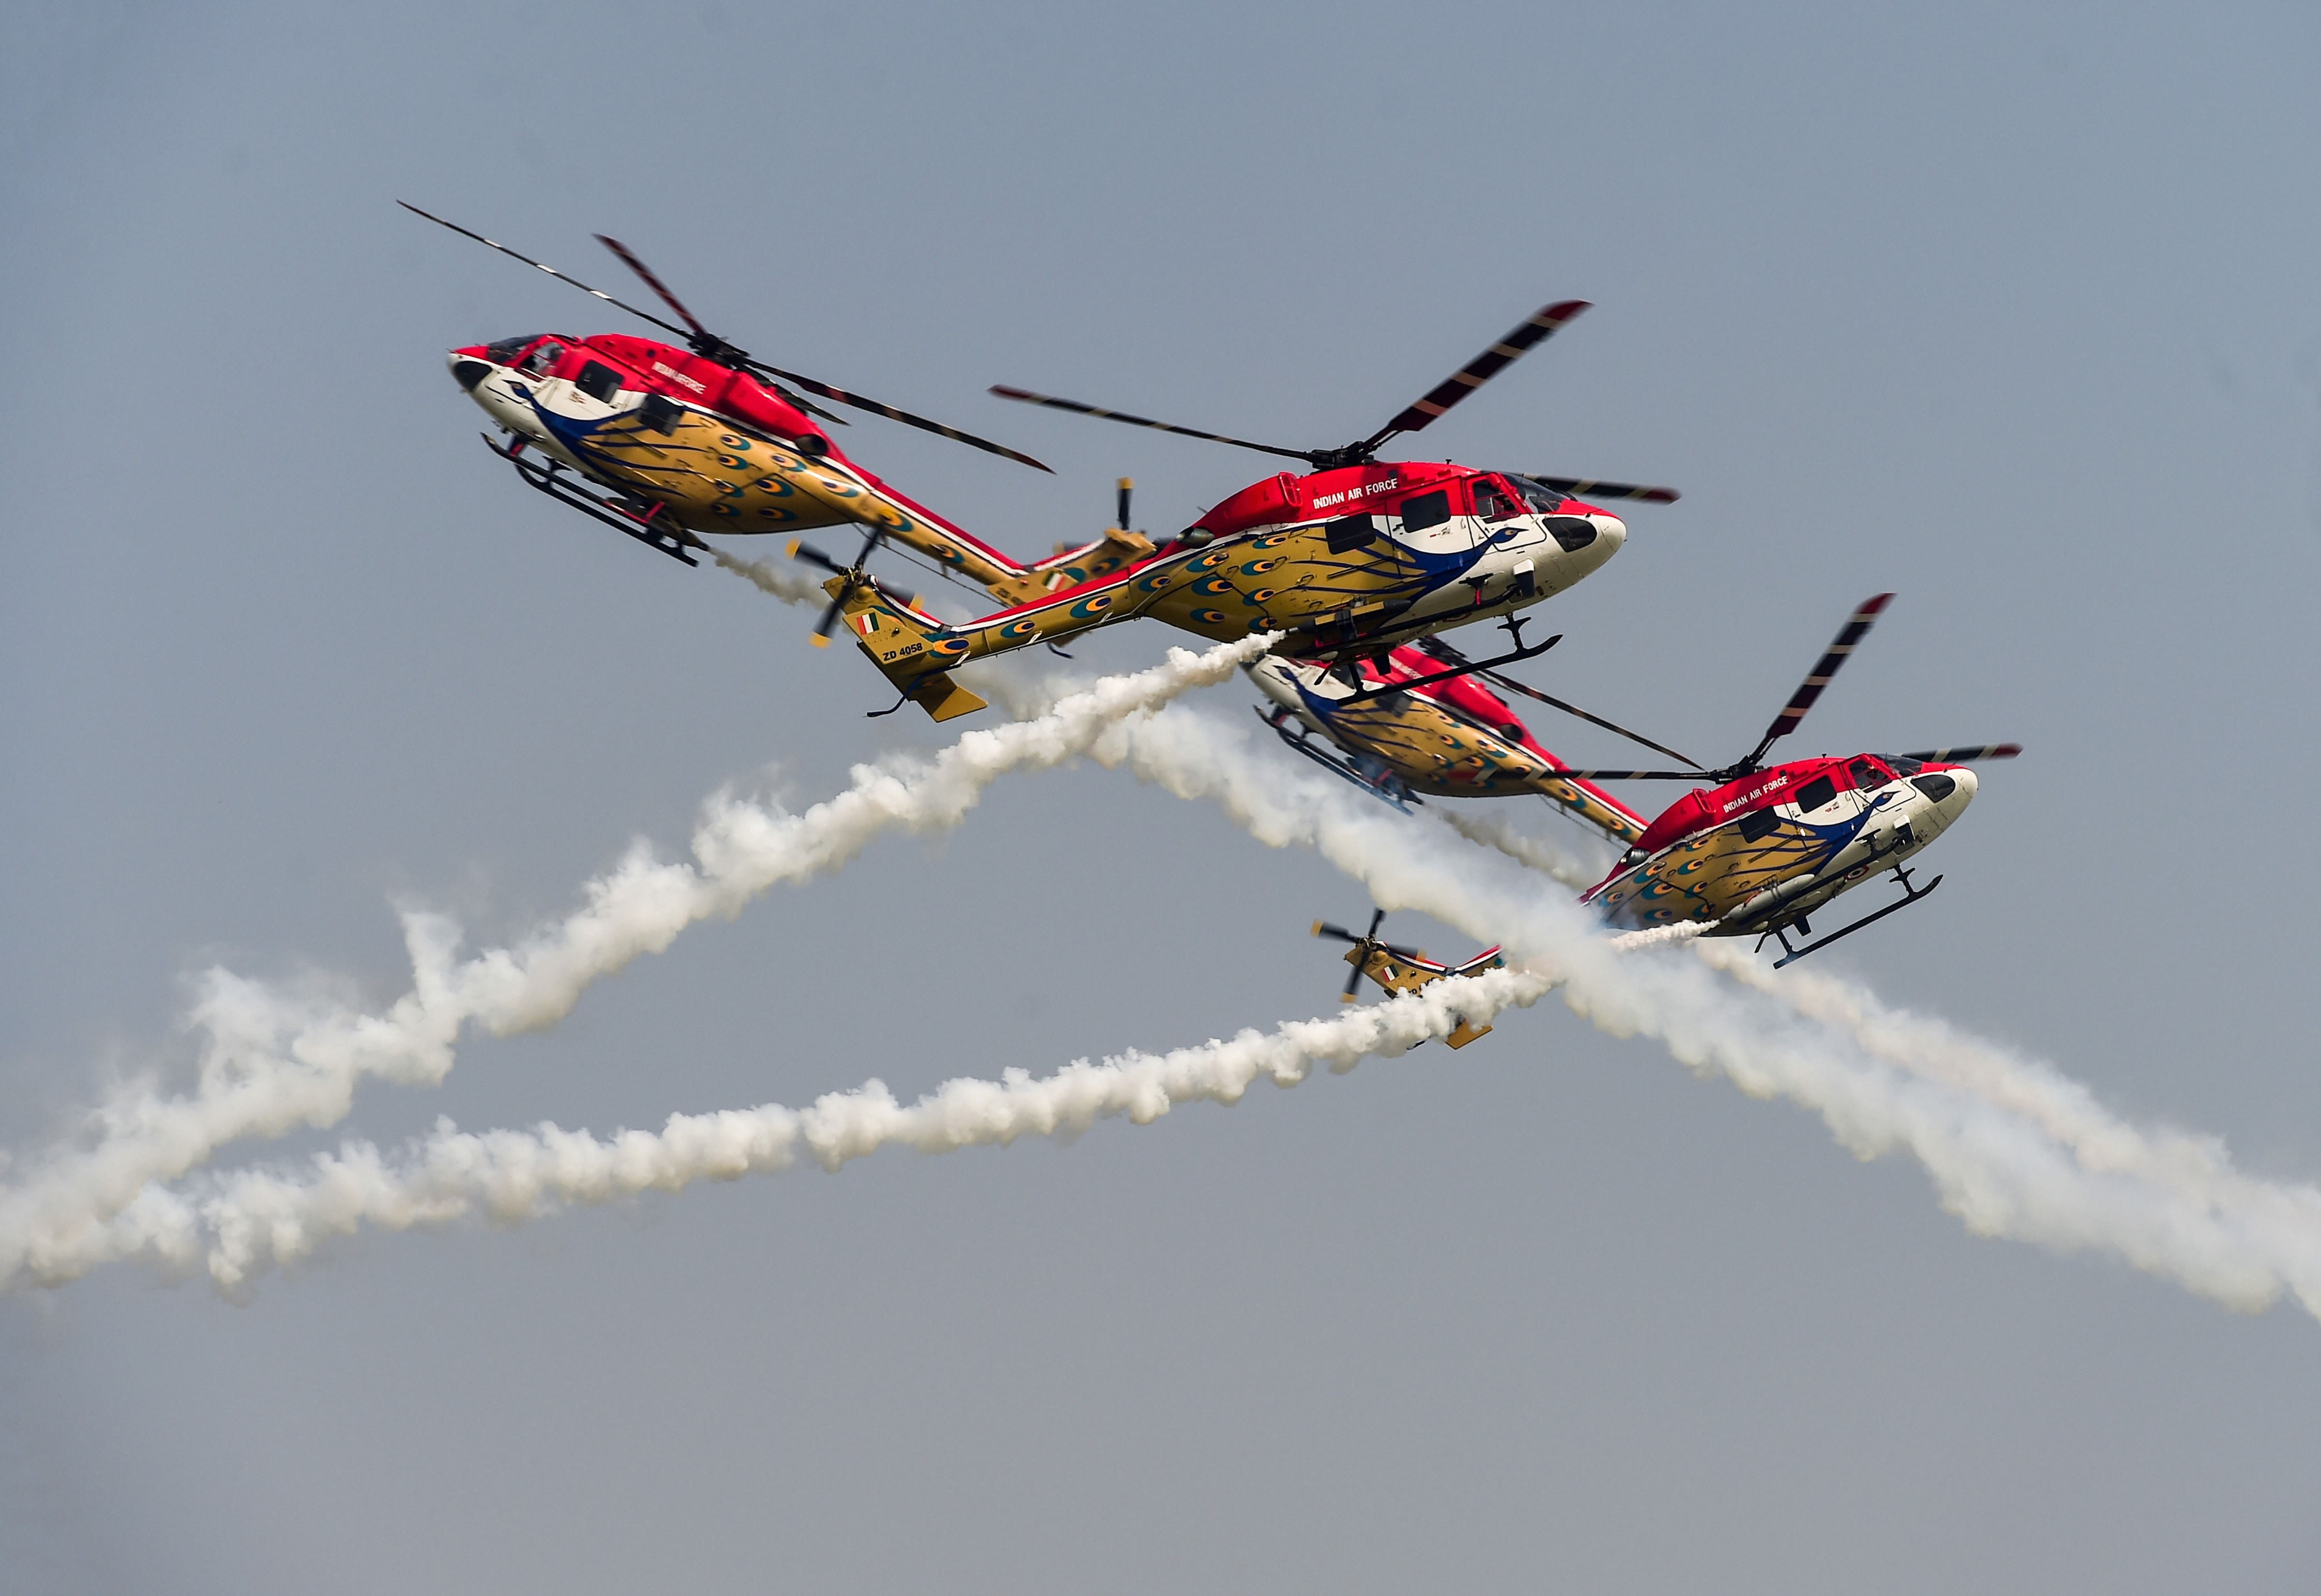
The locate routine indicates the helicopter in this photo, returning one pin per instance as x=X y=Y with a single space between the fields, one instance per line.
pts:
x=1404 y=969
x=1446 y=736
x=665 y=444
x=1763 y=849
x=1346 y=561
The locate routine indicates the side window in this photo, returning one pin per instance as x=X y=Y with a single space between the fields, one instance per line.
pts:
x=1867 y=776
x=1815 y=793
x=542 y=357
x=1572 y=533
x=661 y=413
x=1350 y=531
x=1492 y=501
x=1428 y=510
x=599 y=382
x=1758 y=824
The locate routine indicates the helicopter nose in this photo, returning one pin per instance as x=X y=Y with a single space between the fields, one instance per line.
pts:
x=467 y=370
x=1611 y=531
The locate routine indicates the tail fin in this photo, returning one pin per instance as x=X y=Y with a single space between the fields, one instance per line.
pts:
x=1400 y=973
x=912 y=649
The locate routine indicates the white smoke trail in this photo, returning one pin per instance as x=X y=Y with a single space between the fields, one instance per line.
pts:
x=788 y=583
x=237 y=1224
x=240 y=1223
x=1492 y=830
x=2016 y=1149
x=270 y=1063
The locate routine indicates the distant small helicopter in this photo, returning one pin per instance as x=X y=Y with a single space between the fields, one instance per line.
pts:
x=1404 y=969
x=666 y=443
x=1764 y=848
x=1348 y=561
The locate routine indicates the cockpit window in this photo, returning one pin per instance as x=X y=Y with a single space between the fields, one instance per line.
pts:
x=1815 y=793
x=1542 y=498
x=504 y=351
x=545 y=354
x=598 y=381
x=1492 y=501
x=1866 y=775
x=1428 y=510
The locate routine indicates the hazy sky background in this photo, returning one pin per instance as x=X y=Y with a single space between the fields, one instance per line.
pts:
x=2011 y=309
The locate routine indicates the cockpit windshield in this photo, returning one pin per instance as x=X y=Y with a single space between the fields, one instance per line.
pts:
x=1492 y=501
x=544 y=355
x=1542 y=498
x=506 y=350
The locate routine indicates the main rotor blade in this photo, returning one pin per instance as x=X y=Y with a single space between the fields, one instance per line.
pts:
x=1446 y=652
x=1323 y=928
x=660 y=287
x=1024 y=396
x=895 y=413
x=1580 y=487
x=1639 y=775
x=1535 y=329
x=1851 y=633
x=1965 y=755
x=551 y=271
x=802 y=549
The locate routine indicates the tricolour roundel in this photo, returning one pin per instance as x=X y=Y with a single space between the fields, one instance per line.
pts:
x=1016 y=630
x=1211 y=560
x=1270 y=541
x=775 y=512
x=774 y=486
x=1212 y=586
x=731 y=462
x=740 y=445
x=1094 y=605
x=1262 y=595
x=1258 y=568
x=1209 y=617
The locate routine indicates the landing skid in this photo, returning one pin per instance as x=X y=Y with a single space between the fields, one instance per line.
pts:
x=1514 y=629
x=1910 y=895
x=1397 y=796
x=597 y=503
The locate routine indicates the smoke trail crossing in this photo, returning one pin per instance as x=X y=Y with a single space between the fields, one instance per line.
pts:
x=270 y=1063
x=2016 y=1149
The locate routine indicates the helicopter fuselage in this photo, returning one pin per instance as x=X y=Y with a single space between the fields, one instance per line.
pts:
x=697 y=446
x=1758 y=855
x=1454 y=739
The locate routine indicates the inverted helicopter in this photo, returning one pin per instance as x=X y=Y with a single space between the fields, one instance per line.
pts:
x=666 y=443
x=1347 y=561
x=1406 y=727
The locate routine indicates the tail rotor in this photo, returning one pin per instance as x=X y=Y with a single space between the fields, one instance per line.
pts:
x=854 y=578
x=1366 y=943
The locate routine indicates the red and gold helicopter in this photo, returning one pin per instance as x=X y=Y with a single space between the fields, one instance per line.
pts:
x=1763 y=849
x=1348 y=560
x=666 y=443
x=1407 y=729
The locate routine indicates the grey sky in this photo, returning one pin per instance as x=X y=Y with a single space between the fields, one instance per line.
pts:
x=2010 y=309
